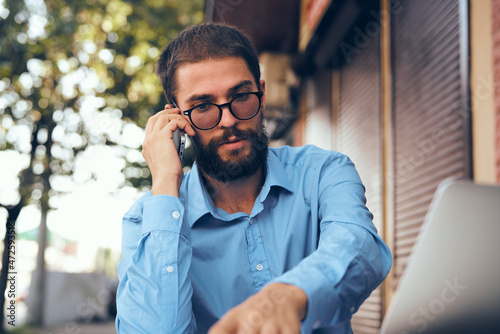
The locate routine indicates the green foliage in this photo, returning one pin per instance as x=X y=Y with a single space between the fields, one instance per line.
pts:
x=22 y=330
x=73 y=73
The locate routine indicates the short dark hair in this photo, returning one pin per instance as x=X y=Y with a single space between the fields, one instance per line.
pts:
x=201 y=42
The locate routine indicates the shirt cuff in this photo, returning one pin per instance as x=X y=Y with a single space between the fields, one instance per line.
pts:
x=162 y=212
x=319 y=312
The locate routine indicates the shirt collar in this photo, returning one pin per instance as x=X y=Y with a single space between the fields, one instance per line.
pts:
x=276 y=176
x=200 y=203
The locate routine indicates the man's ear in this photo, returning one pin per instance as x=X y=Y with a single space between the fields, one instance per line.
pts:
x=263 y=89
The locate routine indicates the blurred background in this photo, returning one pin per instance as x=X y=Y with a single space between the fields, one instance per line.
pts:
x=410 y=90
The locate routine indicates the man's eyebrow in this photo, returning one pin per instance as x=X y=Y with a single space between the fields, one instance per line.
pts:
x=199 y=97
x=211 y=98
x=237 y=87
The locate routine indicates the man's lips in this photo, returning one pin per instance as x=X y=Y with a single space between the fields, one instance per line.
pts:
x=233 y=143
x=231 y=140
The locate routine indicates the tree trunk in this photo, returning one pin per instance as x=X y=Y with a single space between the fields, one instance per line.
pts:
x=38 y=285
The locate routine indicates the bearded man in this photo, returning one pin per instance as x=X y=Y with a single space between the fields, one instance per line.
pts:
x=253 y=239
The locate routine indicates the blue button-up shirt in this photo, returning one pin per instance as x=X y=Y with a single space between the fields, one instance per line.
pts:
x=186 y=262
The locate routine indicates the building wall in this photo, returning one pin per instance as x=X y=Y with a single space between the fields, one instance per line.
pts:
x=359 y=135
x=429 y=123
x=496 y=70
x=483 y=96
x=482 y=91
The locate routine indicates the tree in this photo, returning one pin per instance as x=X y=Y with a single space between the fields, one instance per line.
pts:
x=75 y=74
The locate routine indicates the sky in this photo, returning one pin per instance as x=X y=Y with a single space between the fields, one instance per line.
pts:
x=90 y=211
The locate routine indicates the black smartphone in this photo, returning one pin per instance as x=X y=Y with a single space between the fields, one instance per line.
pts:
x=180 y=142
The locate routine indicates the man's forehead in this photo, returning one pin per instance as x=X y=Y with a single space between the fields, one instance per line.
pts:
x=211 y=64
x=213 y=76
x=229 y=89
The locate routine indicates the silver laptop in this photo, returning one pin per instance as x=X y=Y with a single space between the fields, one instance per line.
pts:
x=452 y=280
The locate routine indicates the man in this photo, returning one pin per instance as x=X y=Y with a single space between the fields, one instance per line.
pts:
x=253 y=239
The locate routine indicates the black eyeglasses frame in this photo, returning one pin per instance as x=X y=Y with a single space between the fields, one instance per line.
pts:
x=221 y=106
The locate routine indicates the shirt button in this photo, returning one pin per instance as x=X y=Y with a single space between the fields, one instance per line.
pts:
x=317 y=324
x=251 y=221
x=176 y=214
x=170 y=269
x=259 y=267
x=352 y=309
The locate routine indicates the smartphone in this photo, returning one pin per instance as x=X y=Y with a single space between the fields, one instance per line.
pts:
x=180 y=142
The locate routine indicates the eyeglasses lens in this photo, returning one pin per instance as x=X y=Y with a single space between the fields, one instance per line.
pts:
x=208 y=115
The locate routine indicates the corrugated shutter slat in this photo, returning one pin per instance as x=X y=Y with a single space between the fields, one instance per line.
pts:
x=431 y=137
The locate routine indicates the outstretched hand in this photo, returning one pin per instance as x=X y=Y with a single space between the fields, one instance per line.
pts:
x=277 y=308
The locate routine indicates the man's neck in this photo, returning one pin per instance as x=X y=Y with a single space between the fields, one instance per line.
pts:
x=236 y=196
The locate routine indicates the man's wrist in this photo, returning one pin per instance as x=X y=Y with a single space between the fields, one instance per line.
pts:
x=281 y=293
x=166 y=186
x=300 y=299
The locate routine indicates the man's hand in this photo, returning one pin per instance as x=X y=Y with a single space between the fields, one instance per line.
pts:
x=159 y=150
x=277 y=308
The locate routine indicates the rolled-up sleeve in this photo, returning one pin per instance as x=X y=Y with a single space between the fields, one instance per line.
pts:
x=351 y=260
x=154 y=291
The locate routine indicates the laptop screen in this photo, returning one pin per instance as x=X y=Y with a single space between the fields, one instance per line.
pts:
x=452 y=280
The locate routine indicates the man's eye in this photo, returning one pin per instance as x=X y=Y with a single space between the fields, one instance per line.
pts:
x=241 y=97
x=203 y=107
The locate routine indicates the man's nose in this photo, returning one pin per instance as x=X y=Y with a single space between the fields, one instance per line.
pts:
x=227 y=119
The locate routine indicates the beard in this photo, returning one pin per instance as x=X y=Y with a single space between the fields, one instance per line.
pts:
x=239 y=166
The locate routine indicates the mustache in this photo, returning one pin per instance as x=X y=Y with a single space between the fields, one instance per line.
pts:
x=231 y=132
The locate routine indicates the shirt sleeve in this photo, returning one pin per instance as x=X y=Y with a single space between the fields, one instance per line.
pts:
x=351 y=260
x=154 y=291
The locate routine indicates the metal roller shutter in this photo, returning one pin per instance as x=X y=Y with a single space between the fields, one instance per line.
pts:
x=359 y=136
x=430 y=110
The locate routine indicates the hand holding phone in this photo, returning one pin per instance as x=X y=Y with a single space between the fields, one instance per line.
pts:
x=180 y=142
x=166 y=173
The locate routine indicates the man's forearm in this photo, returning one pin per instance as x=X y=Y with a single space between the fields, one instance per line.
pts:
x=339 y=275
x=154 y=293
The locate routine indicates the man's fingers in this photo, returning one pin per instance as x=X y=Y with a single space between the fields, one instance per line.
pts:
x=277 y=308
x=171 y=122
x=153 y=120
x=219 y=328
x=272 y=329
x=170 y=118
x=175 y=123
x=165 y=120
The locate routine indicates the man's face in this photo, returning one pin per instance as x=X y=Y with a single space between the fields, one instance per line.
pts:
x=234 y=149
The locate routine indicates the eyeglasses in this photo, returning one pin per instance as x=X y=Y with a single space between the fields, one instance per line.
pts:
x=243 y=106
